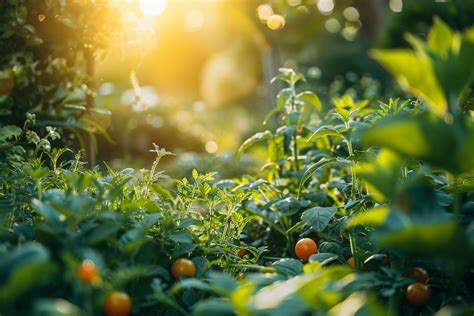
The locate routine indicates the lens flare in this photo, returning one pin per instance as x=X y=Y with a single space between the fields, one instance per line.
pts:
x=153 y=7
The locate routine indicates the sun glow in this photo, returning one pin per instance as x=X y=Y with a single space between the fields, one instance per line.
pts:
x=153 y=7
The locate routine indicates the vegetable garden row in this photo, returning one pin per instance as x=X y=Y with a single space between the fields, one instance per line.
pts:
x=361 y=209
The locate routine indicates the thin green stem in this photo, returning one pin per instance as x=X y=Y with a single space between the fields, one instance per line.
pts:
x=457 y=200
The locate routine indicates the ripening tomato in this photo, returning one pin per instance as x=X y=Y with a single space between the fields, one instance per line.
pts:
x=183 y=267
x=117 y=304
x=299 y=131
x=305 y=248
x=418 y=274
x=418 y=293
x=351 y=262
x=242 y=252
x=87 y=271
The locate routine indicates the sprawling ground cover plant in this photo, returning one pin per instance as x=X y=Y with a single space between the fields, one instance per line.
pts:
x=361 y=209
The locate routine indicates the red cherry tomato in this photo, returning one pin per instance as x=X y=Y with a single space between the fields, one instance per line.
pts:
x=183 y=267
x=87 y=271
x=418 y=293
x=242 y=252
x=305 y=247
x=117 y=304
x=418 y=274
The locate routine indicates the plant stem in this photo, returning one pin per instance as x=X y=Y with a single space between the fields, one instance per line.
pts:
x=457 y=200
x=295 y=150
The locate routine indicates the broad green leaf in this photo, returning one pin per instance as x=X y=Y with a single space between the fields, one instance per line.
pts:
x=103 y=231
x=192 y=283
x=312 y=169
x=416 y=74
x=440 y=37
x=445 y=239
x=382 y=175
x=9 y=133
x=214 y=307
x=311 y=99
x=424 y=137
x=318 y=217
x=372 y=217
x=21 y=269
x=289 y=267
x=55 y=307
x=326 y=131
x=182 y=237
x=182 y=249
x=253 y=140
x=323 y=257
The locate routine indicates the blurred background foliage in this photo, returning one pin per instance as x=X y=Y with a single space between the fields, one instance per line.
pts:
x=197 y=82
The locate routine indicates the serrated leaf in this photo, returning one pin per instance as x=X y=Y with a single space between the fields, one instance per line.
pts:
x=9 y=133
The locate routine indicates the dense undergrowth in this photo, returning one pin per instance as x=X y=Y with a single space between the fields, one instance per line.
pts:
x=384 y=190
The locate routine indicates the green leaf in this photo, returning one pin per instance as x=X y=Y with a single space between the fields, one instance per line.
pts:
x=102 y=232
x=440 y=37
x=182 y=237
x=182 y=249
x=312 y=169
x=324 y=258
x=445 y=239
x=424 y=137
x=48 y=212
x=55 y=307
x=415 y=73
x=373 y=217
x=21 y=269
x=318 y=217
x=311 y=99
x=326 y=131
x=253 y=140
x=382 y=175
x=288 y=266
x=188 y=284
x=214 y=307
x=9 y=133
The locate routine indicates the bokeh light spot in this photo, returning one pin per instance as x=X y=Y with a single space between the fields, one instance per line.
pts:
x=396 y=5
x=276 y=22
x=325 y=6
x=153 y=7
x=351 y=14
x=332 y=25
x=211 y=147
x=264 y=12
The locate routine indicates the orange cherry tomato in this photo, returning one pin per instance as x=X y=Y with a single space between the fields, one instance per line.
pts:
x=418 y=274
x=305 y=247
x=242 y=252
x=299 y=131
x=351 y=262
x=183 y=267
x=117 y=304
x=87 y=271
x=418 y=293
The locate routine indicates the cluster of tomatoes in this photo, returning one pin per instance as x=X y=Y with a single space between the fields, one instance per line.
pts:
x=417 y=293
x=118 y=303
